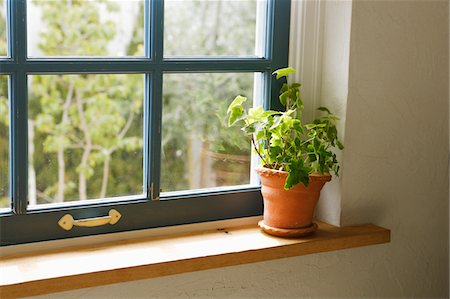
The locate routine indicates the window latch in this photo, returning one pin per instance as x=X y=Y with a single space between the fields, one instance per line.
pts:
x=67 y=221
x=153 y=196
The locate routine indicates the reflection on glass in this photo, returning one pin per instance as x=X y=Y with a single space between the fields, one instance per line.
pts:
x=4 y=143
x=85 y=137
x=3 y=47
x=214 y=28
x=198 y=149
x=85 y=28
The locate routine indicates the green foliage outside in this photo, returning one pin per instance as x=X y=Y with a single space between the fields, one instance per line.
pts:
x=86 y=131
x=2 y=28
x=283 y=142
x=88 y=128
x=193 y=110
x=194 y=105
x=209 y=28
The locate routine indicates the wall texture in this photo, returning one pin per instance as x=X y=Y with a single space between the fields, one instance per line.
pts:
x=396 y=175
x=396 y=158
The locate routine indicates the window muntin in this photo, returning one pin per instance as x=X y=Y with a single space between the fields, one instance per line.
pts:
x=27 y=223
x=111 y=28
x=85 y=137
x=5 y=202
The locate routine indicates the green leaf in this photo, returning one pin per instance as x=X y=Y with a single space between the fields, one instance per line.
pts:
x=270 y=113
x=324 y=109
x=284 y=72
x=276 y=141
x=297 y=126
x=235 y=116
x=235 y=110
x=259 y=135
x=314 y=126
x=249 y=129
x=283 y=97
x=276 y=123
x=297 y=173
x=238 y=101
x=299 y=101
x=289 y=112
x=309 y=126
x=256 y=112
x=274 y=152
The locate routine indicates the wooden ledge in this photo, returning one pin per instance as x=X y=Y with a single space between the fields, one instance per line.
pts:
x=89 y=266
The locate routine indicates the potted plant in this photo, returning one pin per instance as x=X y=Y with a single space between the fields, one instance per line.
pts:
x=296 y=159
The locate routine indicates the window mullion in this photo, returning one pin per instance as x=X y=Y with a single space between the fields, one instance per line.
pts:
x=157 y=27
x=18 y=30
x=278 y=34
x=155 y=98
x=155 y=119
x=19 y=109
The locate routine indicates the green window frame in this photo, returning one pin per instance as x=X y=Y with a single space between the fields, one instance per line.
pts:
x=22 y=225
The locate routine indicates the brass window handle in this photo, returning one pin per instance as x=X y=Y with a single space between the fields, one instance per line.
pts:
x=67 y=221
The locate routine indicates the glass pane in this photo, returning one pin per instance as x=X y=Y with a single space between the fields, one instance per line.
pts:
x=85 y=137
x=198 y=149
x=4 y=143
x=85 y=28
x=3 y=47
x=214 y=28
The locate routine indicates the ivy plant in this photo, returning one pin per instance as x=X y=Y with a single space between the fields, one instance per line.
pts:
x=282 y=141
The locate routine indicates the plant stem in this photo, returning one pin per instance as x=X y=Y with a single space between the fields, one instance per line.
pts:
x=257 y=151
x=308 y=140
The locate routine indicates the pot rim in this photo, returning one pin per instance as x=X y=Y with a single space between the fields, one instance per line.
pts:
x=315 y=176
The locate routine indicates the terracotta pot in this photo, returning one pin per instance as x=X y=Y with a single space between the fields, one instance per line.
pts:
x=290 y=212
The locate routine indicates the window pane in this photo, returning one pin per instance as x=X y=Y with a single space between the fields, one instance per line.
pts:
x=85 y=28
x=215 y=28
x=4 y=143
x=85 y=137
x=198 y=149
x=3 y=47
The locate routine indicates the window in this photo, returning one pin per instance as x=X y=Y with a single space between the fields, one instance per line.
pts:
x=122 y=104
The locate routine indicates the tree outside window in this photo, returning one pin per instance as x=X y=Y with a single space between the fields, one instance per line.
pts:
x=85 y=135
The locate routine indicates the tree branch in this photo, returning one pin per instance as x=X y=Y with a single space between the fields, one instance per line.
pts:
x=127 y=126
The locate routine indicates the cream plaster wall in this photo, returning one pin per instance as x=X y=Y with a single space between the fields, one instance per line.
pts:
x=396 y=175
x=396 y=160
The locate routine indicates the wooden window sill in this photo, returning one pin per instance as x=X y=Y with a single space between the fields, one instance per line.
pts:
x=89 y=266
